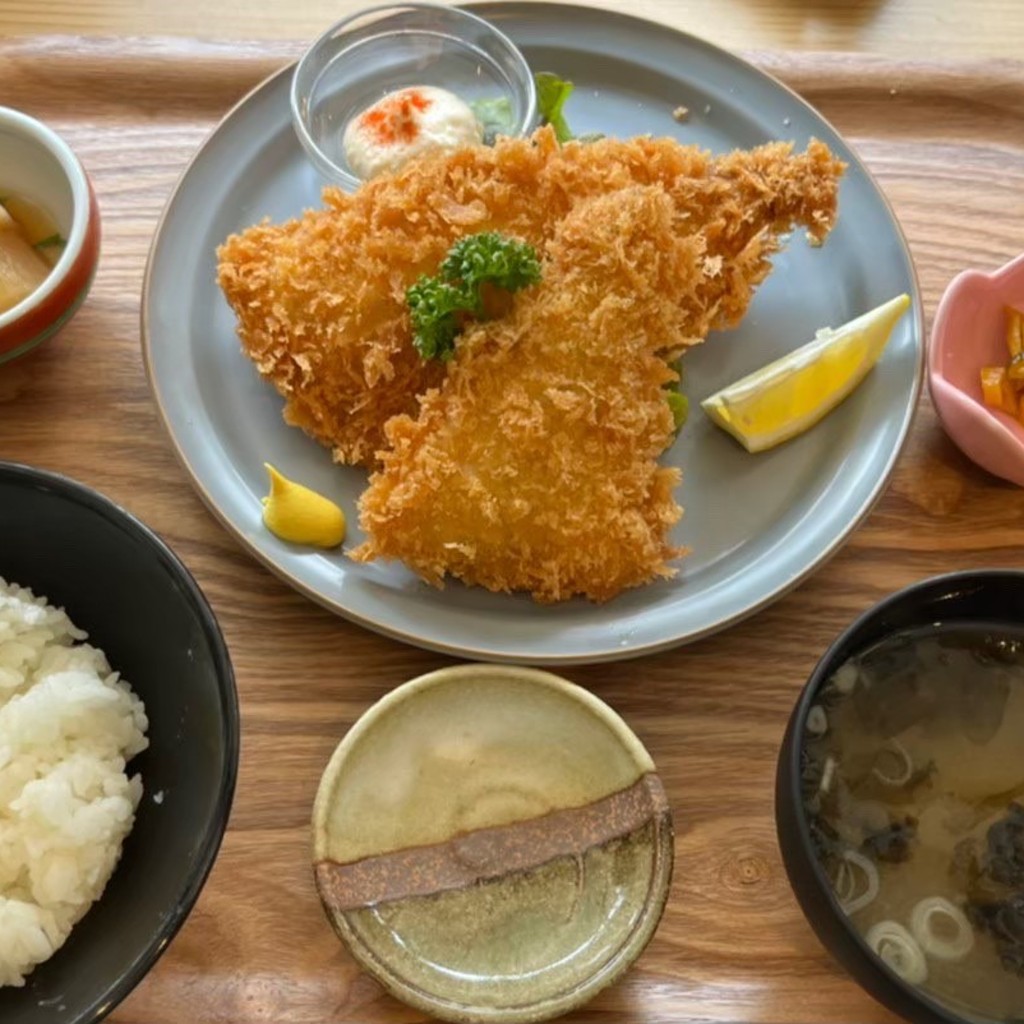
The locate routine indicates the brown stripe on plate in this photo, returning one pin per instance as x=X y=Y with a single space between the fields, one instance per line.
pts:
x=488 y=853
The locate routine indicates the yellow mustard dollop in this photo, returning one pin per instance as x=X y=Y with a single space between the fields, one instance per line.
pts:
x=296 y=514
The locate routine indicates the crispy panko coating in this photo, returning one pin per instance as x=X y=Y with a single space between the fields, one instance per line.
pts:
x=534 y=465
x=320 y=301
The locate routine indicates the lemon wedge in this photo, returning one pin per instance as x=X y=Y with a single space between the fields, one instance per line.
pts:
x=785 y=398
x=296 y=514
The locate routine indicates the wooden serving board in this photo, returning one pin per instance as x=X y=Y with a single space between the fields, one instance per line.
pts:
x=947 y=143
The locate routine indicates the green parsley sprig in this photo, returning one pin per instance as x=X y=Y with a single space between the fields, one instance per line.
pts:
x=441 y=304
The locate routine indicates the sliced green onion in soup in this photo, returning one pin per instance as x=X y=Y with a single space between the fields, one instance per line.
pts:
x=846 y=677
x=817 y=721
x=941 y=929
x=852 y=893
x=894 y=765
x=898 y=950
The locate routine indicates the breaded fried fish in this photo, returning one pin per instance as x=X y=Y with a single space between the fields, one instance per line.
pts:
x=534 y=465
x=320 y=301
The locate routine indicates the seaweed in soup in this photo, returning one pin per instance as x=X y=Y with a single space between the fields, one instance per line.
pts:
x=825 y=842
x=901 y=687
x=995 y=883
x=982 y=706
x=811 y=769
x=895 y=692
x=893 y=844
x=1005 y=861
x=1004 y=921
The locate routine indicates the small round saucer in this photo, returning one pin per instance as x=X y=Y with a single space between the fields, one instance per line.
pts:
x=492 y=844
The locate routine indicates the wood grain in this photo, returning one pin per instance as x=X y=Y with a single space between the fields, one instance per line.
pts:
x=899 y=28
x=947 y=143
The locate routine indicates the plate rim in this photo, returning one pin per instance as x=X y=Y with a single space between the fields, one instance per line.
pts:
x=511 y=9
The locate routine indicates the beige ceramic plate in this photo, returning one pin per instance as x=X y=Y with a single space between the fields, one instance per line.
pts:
x=492 y=844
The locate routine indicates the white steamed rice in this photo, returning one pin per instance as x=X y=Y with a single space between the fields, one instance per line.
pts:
x=67 y=727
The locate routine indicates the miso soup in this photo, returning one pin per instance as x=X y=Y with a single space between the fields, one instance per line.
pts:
x=913 y=786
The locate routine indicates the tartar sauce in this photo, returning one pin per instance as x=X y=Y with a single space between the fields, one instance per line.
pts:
x=406 y=123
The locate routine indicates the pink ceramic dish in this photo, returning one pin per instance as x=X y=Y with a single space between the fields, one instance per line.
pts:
x=969 y=332
x=37 y=164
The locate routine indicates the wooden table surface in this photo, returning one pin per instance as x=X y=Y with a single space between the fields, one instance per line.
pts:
x=902 y=28
x=944 y=137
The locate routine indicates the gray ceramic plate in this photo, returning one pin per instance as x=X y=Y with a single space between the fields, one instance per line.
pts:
x=757 y=524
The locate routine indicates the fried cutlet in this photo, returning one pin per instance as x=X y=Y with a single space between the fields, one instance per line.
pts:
x=320 y=301
x=534 y=465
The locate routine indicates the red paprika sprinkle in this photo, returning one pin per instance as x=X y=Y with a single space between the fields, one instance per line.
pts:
x=394 y=119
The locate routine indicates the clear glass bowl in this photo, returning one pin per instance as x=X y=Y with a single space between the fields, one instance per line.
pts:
x=364 y=57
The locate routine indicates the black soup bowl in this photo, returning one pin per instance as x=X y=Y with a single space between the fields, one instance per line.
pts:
x=119 y=582
x=990 y=598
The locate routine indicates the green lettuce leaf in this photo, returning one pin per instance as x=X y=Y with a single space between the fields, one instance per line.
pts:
x=495 y=117
x=552 y=93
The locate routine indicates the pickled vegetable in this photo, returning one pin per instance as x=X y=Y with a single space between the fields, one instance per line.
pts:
x=1003 y=386
x=22 y=269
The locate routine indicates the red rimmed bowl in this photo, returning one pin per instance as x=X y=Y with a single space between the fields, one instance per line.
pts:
x=38 y=165
x=969 y=332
